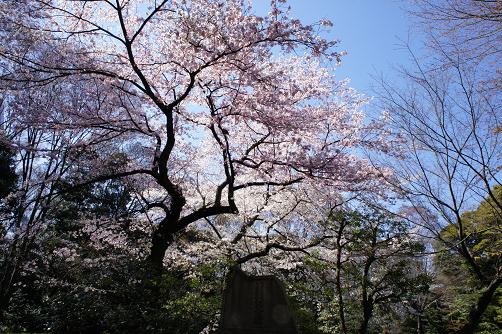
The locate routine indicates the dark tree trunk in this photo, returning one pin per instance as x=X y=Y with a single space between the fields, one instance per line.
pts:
x=160 y=243
x=164 y=235
x=341 y=306
x=464 y=251
x=367 y=314
x=161 y=239
x=367 y=299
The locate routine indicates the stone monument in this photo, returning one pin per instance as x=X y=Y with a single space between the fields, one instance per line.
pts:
x=255 y=305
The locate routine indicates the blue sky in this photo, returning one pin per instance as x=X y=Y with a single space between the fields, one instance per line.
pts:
x=371 y=31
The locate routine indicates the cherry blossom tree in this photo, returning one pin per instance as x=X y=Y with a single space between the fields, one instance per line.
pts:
x=209 y=100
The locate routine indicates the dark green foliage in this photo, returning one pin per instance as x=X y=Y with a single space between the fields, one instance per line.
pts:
x=8 y=176
x=197 y=304
x=305 y=318
x=125 y=301
x=458 y=285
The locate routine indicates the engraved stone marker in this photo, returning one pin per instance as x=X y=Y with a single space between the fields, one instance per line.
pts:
x=255 y=305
